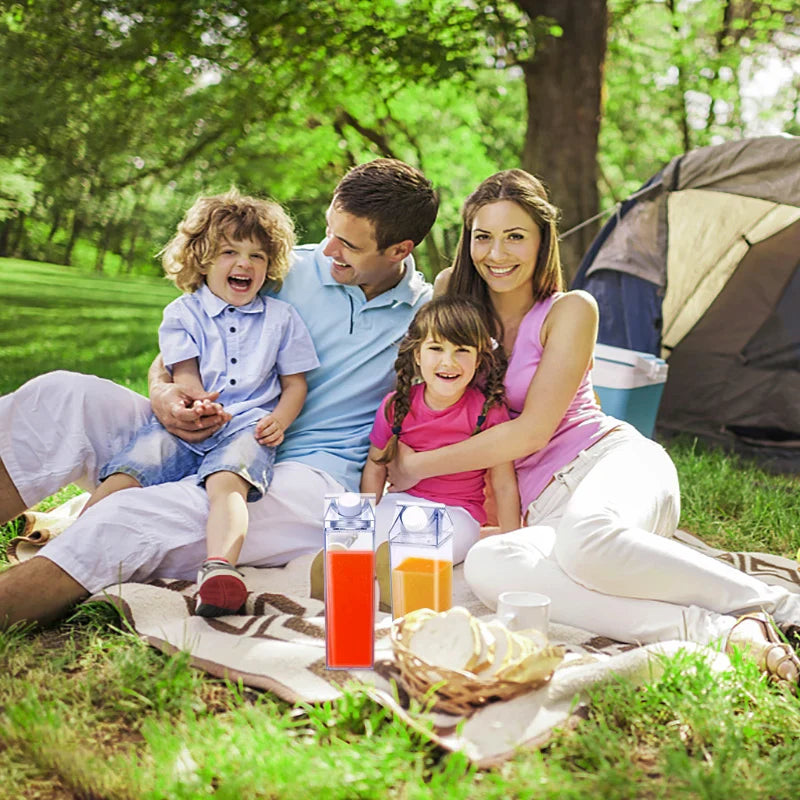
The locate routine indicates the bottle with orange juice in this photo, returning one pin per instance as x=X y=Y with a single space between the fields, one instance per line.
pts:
x=421 y=555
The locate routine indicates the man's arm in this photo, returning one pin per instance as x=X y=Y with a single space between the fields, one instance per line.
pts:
x=271 y=428
x=184 y=411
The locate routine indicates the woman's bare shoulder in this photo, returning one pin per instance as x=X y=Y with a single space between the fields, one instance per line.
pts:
x=441 y=281
x=573 y=313
x=575 y=303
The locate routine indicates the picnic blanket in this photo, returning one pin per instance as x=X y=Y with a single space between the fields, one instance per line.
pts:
x=278 y=644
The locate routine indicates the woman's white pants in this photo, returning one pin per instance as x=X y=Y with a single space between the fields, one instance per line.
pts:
x=598 y=543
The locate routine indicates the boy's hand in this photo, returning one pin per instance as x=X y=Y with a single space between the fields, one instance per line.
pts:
x=269 y=431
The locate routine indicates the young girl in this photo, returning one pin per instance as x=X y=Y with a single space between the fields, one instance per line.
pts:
x=449 y=387
x=223 y=335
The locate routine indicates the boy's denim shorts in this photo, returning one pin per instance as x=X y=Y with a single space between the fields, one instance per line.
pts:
x=155 y=456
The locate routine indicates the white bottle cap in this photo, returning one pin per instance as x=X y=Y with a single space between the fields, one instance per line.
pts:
x=349 y=504
x=414 y=518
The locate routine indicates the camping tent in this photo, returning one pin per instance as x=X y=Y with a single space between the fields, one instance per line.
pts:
x=700 y=266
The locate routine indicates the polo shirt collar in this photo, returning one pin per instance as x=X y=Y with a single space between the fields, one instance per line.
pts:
x=213 y=305
x=408 y=290
x=411 y=286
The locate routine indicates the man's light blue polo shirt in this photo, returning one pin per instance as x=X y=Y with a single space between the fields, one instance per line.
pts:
x=356 y=342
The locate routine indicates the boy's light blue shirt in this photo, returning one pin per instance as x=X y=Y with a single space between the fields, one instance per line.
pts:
x=356 y=342
x=241 y=349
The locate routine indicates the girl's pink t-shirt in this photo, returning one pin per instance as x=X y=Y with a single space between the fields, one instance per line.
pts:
x=582 y=425
x=426 y=429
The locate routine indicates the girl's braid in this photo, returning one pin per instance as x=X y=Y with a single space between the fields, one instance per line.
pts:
x=399 y=404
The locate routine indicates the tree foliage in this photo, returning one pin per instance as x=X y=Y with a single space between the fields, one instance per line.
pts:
x=682 y=75
x=115 y=114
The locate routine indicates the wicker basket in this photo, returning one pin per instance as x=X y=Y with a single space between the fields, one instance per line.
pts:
x=456 y=692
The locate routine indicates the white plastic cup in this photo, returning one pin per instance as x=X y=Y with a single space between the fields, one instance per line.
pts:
x=521 y=611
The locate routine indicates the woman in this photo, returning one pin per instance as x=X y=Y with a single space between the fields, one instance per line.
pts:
x=600 y=501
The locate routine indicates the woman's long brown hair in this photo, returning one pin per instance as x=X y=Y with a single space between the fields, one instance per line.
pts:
x=528 y=193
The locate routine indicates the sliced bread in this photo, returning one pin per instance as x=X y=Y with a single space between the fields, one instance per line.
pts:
x=449 y=639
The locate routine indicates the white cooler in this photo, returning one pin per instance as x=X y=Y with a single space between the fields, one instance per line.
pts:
x=629 y=385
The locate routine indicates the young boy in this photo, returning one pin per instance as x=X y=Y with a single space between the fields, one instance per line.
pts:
x=223 y=336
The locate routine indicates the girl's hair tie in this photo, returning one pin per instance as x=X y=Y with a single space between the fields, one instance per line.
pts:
x=396 y=430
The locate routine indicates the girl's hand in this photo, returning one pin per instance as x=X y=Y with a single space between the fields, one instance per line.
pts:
x=400 y=469
x=269 y=431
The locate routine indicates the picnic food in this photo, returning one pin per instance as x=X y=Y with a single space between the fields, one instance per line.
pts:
x=450 y=639
x=460 y=662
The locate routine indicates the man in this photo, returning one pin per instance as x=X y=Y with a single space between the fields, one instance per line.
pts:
x=357 y=292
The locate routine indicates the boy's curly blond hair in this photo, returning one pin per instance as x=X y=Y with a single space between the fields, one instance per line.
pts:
x=190 y=253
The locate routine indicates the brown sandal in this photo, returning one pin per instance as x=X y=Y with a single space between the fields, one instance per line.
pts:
x=383 y=573
x=316 y=577
x=772 y=656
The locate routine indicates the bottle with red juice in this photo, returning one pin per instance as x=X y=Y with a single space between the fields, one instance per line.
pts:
x=349 y=527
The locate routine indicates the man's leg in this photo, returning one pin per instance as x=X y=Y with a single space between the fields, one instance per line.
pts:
x=11 y=503
x=37 y=591
x=159 y=532
x=60 y=428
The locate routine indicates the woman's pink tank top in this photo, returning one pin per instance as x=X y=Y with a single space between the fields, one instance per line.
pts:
x=582 y=425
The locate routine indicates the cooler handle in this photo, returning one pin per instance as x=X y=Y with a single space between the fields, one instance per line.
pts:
x=654 y=368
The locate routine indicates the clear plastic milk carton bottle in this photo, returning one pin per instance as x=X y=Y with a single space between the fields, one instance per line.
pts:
x=421 y=555
x=349 y=527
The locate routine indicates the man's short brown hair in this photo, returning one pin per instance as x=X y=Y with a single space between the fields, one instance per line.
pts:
x=394 y=196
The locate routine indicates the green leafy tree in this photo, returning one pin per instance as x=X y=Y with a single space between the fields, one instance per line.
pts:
x=681 y=75
x=123 y=111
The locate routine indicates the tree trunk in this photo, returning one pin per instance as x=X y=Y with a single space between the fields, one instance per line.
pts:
x=433 y=255
x=5 y=232
x=563 y=82
x=130 y=255
x=102 y=248
x=17 y=235
x=55 y=223
x=77 y=226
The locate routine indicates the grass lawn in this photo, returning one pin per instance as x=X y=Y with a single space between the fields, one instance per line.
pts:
x=54 y=317
x=89 y=711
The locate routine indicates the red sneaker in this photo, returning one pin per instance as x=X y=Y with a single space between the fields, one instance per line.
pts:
x=220 y=589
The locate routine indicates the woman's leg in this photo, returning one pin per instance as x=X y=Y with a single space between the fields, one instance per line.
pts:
x=523 y=560
x=60 y=428
x=613 y=536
